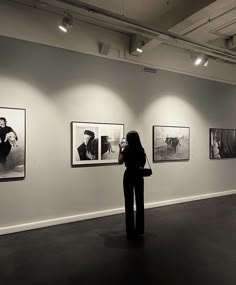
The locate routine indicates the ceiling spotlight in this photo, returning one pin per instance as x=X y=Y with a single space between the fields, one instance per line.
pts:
x=137 y=44
x=199 y=59
x=66 y=23
x=139 y=50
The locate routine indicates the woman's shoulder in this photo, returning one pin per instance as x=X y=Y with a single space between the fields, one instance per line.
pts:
x=128 y=150
x=6 y=129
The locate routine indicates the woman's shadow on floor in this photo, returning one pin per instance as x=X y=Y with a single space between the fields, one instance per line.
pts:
x=118 y=239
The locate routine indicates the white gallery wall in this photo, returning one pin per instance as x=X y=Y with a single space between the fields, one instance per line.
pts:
x=58 y=86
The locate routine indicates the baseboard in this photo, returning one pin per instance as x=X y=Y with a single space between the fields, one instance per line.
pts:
x=80 y=217
x=58 y=221
x=189 y=199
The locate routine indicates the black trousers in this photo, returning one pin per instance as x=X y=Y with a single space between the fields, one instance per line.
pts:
x=5 y=149
x=134 y=186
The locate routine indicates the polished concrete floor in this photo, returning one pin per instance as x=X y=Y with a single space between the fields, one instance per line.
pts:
x=190 y=243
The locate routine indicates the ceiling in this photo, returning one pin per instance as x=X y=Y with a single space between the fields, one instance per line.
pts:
x=209 y=23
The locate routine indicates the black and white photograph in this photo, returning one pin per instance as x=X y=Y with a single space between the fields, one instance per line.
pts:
x=222 y=143
x=95 y=143
x=111 y=136
x=170 y=143
x=12 y=143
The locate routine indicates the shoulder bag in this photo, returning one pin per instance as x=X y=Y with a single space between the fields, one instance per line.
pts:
x=145 y=172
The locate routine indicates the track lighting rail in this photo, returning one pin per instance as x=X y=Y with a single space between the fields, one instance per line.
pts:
x=166 y=37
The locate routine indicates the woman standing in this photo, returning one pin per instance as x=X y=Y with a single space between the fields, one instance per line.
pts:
x=5 y=145
x=133 y=155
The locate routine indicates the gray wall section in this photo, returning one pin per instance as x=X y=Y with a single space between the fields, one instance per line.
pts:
x=56 y=86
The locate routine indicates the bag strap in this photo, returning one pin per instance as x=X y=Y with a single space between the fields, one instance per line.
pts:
x=148 y=161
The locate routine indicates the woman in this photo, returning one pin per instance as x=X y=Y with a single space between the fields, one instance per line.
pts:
x=88 y=150
x=5 y=145
x=134 y=157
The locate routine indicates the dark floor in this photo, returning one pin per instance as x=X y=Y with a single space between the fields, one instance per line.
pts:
x=191 y=243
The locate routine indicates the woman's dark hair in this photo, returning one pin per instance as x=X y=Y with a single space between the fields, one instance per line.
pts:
x=92 y=136
x=89 y=133
x=133 y=140
x=3 y=119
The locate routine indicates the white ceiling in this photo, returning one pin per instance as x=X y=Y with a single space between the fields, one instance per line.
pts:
x=202 y=20
x=173 y=29
x=207 y=21
x=216 y=21
x=162 y=13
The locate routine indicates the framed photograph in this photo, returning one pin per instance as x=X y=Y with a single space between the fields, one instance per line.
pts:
x=222 y=143
x=95 y=143
x=12 y=143
x=170 y=143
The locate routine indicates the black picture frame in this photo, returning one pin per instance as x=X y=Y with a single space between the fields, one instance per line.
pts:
x=102 y=143
x=170 y=143
x=222 y=143
x=12 y=143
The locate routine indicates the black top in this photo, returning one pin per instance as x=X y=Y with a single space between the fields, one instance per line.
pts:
x=4 y=131
x=91 y=148
x=134 y=158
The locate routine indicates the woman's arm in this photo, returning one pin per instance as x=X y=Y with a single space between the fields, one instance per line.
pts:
x=120 y=156
x=15 y=134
